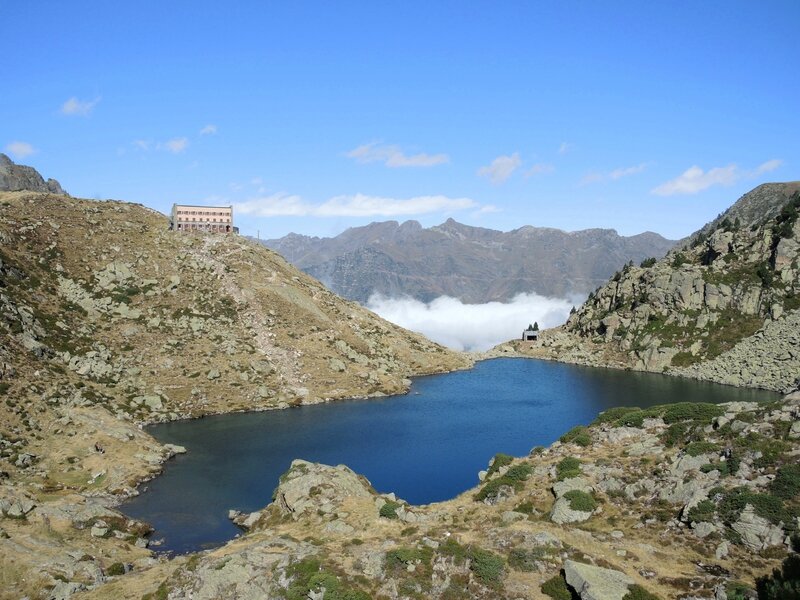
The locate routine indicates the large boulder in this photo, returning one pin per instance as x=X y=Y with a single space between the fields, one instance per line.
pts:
x=596 y=583
x=757 y=533
x=563 y=513
x=309 y=487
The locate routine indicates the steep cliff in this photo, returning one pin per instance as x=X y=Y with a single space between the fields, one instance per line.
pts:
x=722 y=307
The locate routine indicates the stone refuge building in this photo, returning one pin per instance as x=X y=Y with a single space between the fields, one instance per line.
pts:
x=215 y=219
x=531 y=334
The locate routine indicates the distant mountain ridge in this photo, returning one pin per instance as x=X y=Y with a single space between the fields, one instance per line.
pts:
x=473 y=264
x=17 y=178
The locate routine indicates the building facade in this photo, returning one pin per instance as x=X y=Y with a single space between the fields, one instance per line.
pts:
x=214 y=219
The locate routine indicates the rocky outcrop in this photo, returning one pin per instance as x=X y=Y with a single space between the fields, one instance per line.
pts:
x=15 y=178
x=725 y=306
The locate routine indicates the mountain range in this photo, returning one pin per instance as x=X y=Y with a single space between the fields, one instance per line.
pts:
x=473 y=264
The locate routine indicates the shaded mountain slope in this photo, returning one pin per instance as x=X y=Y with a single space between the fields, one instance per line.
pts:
x=473 y=264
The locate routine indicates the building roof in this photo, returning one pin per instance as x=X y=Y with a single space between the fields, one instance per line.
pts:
x=199 y=206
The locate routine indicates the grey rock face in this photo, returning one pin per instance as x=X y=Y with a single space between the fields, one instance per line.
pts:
x=596 y=583
x=757 y=533
x=563 y=513
x=470 y=263
x=14 y=178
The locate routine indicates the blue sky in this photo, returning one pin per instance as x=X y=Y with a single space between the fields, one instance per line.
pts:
x=312 y=117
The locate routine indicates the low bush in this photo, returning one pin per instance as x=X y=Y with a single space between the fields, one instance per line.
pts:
x=487 y=566
x=512 y=478
x=568 y=468
x=698 y=448
x=702 y=511
x=389 y=510
x=577 y=435
x=692 y=411
x=116 y=569
x=399 y=558
x=500 y=460
x=614 y=414
x=580 y=500
x=556 y=588
x=637 y=592
x=784 y=583
x=786 y=484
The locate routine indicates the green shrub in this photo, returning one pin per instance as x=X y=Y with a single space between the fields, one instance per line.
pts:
x=784 y=583
x=767 y=506
x=451 y=548
x=675 y=434
x=116 y=569
x=487 y=566
x=692 y=411
x=512 y=478
x=698 y=448
x=556 y=588
x=702 y=511
x=637 y=592
x=684 y=359
x=389 y=510
x=568 y=468
x=580 y=500
x=647 y=263
x=399 y=558
x=500 y=460
x=577 y=435
x=786 y=484
x=614 y=414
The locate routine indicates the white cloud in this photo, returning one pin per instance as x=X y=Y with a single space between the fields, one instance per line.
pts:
x=209 y=130
x=358 y=205
x=768 y=166
x=80 y=108
x=598 y=176
x=540 y=169
x=471 y=326
x=393 y=156
x=565 y=147
x=501 y=168
x=176 y=145
x=694 y=180
x=627 y=171
x=20 y=149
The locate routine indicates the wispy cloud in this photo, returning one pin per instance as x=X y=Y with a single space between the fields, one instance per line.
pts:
x=501 y=168
x=472 y=326
x=20 y=149
x=768 y=166
x=540 y=169
x=79 y=108
x=393 y=156
x=694 y=179
x=176 y=145
x=565 y=147
x=358 y=205
x=598 y=176
x=209 y=130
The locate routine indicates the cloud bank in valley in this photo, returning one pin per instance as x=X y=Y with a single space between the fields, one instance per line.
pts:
x=472 y=326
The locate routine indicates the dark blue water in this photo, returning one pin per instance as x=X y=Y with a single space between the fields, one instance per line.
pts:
x=426 y=446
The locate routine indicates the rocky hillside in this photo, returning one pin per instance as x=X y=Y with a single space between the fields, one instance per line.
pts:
x=108 y=321
x=725 y=306
x=684 y=501
x=14 y=178
x=473 y=264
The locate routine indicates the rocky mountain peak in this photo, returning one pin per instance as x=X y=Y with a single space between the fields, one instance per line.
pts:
x=14 y=178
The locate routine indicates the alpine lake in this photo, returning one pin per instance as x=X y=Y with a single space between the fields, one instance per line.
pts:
x=426 y=446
